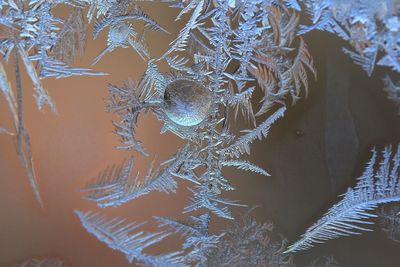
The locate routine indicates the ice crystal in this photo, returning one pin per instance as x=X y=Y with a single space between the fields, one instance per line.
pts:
x=249 y=243
x=374 y=187
x=243 y=243
x=116 y=185
x=46 y=44
x=118 y=235
x=197 y=119
x=369 y=26
x=215 y=60
x=199 y=242
x=118 y=15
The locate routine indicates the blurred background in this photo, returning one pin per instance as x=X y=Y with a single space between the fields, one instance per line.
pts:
x=313 y=155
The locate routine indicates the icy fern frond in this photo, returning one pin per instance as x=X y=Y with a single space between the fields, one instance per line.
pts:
x=218 y=56
x=180 y=42
x=119 y=35
x=110 y=184
x=117 y=185
x=39 y=36
x=246 y=242
x=118 y=17
x=242 y=144
x=177 y=63
x=392 y=90
x=186 y=9
x=210 y=200
x=46 y=44
x=51 y=67
x=248 y=33
x=46 y=262
x=139 y=45
x=193 y=231
x=213 y=60
x=196 y=235
x=298 y=70
x=268 y=84
x=122 y=16
x=242 y=101
x=42 y=96
x=325 y=21
x=98 y=8
x=244 y=165
x=293 y=4
x=5 y=88
x=24 y=152
x=279 y=79
x=371 y=27
x=23 y=145
x=177 y=226
x=72 y=38
x=126 y=131
x=125 y=237
x=367 y=60
x=129 y=101
x=377 y=185
x=152 y=80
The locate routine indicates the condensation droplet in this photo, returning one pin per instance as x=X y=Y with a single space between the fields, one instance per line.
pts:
x=186 y=102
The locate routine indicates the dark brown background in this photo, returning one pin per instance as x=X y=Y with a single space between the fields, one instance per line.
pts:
x=313 y=154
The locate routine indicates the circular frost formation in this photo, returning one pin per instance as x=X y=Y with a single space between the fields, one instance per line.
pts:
x=119 y=33
x=187 y=103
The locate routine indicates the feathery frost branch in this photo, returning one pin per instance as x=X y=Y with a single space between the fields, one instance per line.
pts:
x=124 y=237
x=117 y=185
x=242 y=144
x=347 y=217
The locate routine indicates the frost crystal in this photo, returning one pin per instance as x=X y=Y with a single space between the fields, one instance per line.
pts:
x=225 y=52
x=369 y=26
x=216 y=60
x=374 y=187
x=248 y=243
x=118 y=235
x=118 y=15
x=46 y=45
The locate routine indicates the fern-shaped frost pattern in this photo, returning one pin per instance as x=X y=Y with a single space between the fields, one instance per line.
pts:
x=125 y=238
x=349 y=216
